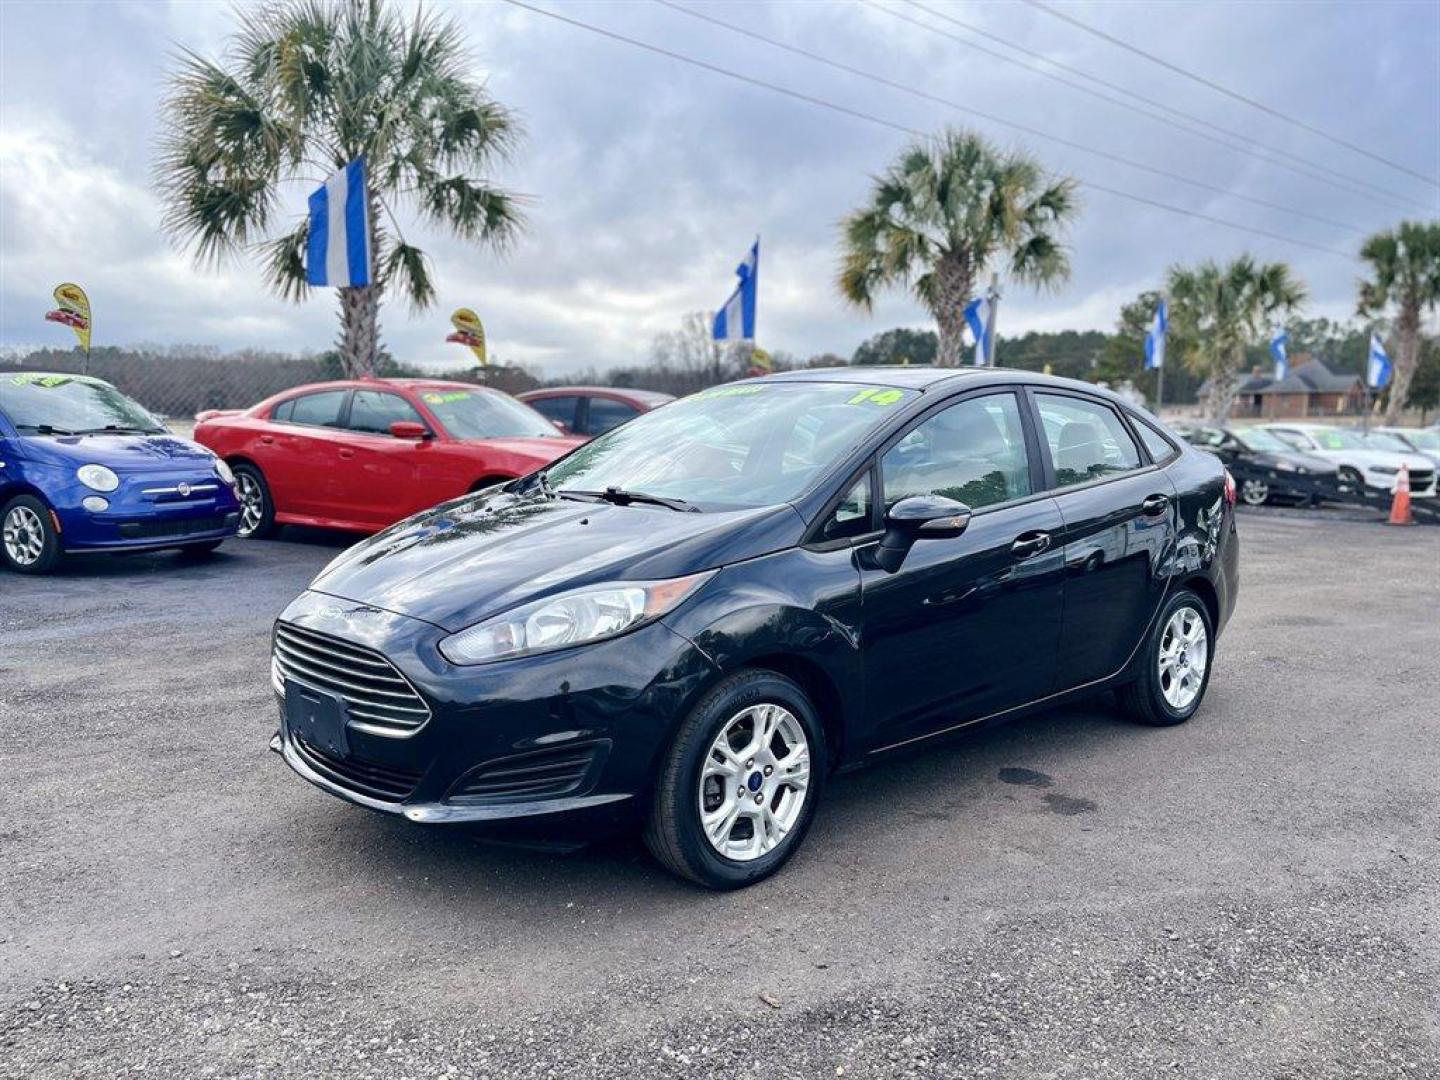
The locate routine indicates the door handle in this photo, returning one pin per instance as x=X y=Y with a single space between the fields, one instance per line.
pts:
x=347 y=453
x=1155 y=504
x=267 y=439
x=1031 y=543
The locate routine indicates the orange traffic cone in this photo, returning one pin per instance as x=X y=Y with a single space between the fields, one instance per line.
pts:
x=1400 y=505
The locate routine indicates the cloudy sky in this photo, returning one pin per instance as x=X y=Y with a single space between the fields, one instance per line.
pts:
x=650 y=177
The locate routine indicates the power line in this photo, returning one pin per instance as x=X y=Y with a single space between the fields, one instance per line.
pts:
x=857 y=114
x=1082 y=147
x=1189 y=117
x=1218 y=88
x=1349 y=184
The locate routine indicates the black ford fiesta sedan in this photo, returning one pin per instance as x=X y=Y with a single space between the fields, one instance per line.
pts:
x=687 y=624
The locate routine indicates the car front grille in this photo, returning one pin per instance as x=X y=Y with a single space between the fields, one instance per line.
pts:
x=541 y=774
x=377 y=697
x=381 y=782
x=174 y=530
x=1421 y=481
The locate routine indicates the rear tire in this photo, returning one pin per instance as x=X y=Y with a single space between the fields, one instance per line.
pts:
x=753 y=824
x=257 y=507
x=1179 y=655
x=29 y=542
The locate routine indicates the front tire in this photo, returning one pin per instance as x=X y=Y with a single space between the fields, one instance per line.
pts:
x=29 y=542
x=257 y=507
x=739 y=784
x=1179 y=654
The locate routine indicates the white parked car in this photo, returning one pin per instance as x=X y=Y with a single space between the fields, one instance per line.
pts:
x=1424 y=441
x=1355 y=461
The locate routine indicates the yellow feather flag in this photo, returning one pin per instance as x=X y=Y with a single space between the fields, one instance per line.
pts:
x=469 y=332
x=72 y=310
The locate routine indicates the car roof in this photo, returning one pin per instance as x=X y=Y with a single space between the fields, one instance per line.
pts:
x=654 y=396
x=925 y=378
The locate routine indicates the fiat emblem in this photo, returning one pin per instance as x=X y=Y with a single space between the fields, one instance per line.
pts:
x=184 y=490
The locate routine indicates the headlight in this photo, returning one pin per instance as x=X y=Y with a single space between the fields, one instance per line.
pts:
x=557 y=622
x=224 y=472
x=1384 y=470
x=97 y=477
x=1285 y=466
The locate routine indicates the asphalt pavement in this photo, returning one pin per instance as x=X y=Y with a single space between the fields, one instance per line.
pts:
x=1251 y=895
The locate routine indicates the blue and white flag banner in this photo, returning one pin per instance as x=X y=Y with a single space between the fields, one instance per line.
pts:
x=1155 y=338
x=338 y=251
x=736 y=320
x=1279 y=345
x=1377 y=371
x=977 y=318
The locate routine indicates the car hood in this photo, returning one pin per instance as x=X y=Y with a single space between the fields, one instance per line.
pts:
x=542 y=449
x=122 y=453
x=1369 y=459
x=475 y=557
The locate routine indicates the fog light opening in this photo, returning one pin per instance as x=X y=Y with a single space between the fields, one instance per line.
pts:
x=95 y=504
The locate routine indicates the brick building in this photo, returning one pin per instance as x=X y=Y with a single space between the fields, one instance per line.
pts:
x=1310 y=389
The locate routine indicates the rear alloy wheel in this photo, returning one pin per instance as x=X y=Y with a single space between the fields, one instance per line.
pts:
x=738 y=788
x=257 y=509
x=28 y=540
x=1254 y=492
x=1178 y=656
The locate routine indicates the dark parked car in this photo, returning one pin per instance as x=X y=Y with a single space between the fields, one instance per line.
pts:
x=592 y=410
x=1257 y=454
x=690 y=622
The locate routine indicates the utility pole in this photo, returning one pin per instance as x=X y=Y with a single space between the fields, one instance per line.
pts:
x=993 y=295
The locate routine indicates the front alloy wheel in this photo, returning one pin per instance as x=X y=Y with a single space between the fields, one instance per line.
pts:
x=257 y=509
x=738 y=787
x=753 y=782
x=28 y=539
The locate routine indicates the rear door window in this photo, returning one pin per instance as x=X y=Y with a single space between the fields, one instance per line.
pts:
x=1088 y=440
x=607 y=413
x=557 y=408
x=321 y=409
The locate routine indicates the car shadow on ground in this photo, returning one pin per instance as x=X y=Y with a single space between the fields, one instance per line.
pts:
x=233 y=552
x=956 y=780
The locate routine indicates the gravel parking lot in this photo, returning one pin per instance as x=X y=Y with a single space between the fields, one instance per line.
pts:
x=1251 y=895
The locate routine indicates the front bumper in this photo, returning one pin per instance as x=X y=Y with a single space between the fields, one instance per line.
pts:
x=562 y=745
x=147 y=512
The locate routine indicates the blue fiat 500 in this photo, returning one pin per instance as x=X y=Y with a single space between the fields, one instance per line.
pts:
x=83 y=468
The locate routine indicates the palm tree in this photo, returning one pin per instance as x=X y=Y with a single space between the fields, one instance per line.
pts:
x=944 y=212
x=307 y=86
x=1220 y=311
x=1405 y=266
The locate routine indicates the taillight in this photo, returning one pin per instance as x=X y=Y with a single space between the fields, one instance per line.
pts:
x=1229 y=488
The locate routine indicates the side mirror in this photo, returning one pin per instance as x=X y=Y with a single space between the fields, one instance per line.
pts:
x=920 y=517
x=409 y=429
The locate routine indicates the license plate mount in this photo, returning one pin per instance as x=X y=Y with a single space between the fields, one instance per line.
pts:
x=316 y=717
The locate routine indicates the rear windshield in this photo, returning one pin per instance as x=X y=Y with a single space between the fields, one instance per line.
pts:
x=71 y=405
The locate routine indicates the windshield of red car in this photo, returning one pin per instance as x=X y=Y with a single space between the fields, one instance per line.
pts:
x=486 y=414
x=71 y=405
x=734 y=447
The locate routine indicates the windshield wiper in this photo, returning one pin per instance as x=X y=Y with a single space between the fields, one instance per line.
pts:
x=48 y=429
x=622 y=497
x=120 y=429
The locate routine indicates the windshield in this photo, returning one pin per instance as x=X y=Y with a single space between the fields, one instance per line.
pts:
x=486 y=414
x=1336 y=439
x=1380 y=440
x=1424 y=440
x=733 y=447
x=70 y=405
x=1260 y=439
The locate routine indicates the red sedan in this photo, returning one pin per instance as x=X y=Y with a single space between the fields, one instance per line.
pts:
x=592 y=410
x=361 y=455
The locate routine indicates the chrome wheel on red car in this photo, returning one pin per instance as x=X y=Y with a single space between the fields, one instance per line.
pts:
x=257 y=511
